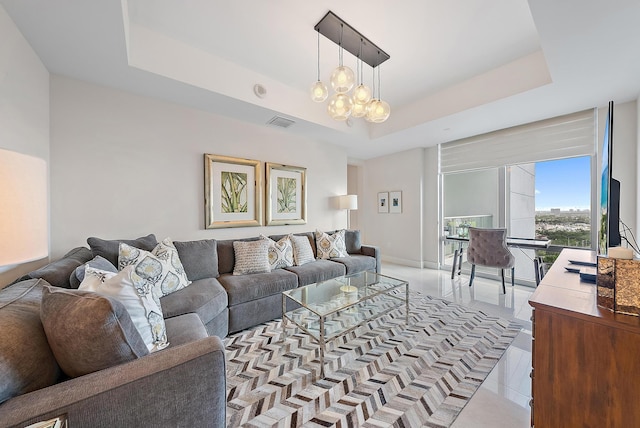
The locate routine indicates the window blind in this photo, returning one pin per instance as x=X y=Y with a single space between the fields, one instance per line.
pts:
x=560 y=137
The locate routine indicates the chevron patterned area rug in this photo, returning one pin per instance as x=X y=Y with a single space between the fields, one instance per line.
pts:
x=383 y=373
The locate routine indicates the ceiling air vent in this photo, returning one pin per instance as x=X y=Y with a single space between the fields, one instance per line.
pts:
x=280 y=122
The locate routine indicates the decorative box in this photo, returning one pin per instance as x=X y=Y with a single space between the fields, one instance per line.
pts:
x=618 y=282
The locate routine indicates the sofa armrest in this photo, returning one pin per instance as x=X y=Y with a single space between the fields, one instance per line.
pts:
x=373 y=251
x=178 y=387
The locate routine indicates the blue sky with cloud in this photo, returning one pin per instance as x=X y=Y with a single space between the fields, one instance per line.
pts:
x=564 y=184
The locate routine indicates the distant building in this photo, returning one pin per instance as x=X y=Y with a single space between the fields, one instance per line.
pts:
x=555 y=210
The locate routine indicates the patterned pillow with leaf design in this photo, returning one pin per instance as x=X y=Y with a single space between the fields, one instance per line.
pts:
x=161 y=268
x=329 y=246
x=280 y=253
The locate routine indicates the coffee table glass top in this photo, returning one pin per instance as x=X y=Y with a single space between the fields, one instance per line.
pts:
x=326 y=297
x=329 y=309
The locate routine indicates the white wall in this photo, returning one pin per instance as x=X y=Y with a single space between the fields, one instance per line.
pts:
x=522 y=213
x=397 y=235
x=24 y=107
x=124 y=165
x=431 y=209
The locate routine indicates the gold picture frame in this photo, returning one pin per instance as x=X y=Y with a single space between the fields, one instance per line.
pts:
x=286 y=199
x=232 y=192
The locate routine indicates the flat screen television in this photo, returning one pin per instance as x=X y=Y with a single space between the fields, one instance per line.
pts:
x=609 y=233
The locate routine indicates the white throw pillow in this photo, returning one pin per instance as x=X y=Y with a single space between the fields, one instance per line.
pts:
x=127 y=287
x=329 y=246
x=251 y=257
x=161 y=268
x=302 y=251
x=280 y=253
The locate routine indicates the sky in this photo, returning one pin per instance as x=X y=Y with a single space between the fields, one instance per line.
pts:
x=564 y=184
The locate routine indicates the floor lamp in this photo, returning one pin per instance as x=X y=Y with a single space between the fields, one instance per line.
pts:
x=348 y=202
x=24 y=233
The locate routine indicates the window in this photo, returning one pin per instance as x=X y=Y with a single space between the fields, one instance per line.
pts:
x=500 y=174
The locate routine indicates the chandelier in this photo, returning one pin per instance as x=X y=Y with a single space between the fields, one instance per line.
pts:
x=362 y=102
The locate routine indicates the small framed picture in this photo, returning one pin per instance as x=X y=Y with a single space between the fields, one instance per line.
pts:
x=383 y=202
x=395 y=202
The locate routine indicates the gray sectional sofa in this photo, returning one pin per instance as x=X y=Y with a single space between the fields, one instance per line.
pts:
x=182 y=385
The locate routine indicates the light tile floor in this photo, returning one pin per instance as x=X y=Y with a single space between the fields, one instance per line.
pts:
x=503 y=398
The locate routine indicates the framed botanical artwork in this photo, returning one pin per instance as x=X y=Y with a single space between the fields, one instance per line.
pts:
x=383 y=202
x=395 y=202
x=232 y=192
x=286 y=194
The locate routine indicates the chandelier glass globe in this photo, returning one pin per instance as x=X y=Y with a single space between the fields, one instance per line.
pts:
x=361 y=94
x=359 y=110
x=319 y=92
x=378 y=111
x=339 y=107
x=342 y=79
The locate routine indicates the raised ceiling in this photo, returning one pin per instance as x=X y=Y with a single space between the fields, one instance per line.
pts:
x=457 y=68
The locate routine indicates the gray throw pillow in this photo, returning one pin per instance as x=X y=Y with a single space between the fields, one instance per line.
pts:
x=88 y=332
x=199 y=258
x=58 y=272
x=109 y=249
x=27 y=363
x=98 y=262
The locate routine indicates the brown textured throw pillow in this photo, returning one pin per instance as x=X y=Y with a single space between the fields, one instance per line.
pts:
x=88 y=332
x=27 y=363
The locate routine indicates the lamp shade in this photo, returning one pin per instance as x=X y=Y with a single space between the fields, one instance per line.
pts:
x=348 y=202
x=23 y=208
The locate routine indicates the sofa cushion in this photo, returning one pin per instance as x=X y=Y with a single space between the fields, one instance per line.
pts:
x=88 y=331
x=97 y=262
x=302 y=249
x=226 y=255
x=130 y=289
x=357 y=263
x=57 y=273
x=330 y=245
x=319 y=270
x=109 y=248
x=251 y=257
x=161 y=268
x=199 y=258
x=244 y=288
x=184 y=329
x=205 y=297
x=27 y=362
x=280 y=253
x=352 y=241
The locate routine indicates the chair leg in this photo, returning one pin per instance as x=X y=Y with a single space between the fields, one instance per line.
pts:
x=473 y=273
x=455 y=261
x=513 y=276
x=504 y=290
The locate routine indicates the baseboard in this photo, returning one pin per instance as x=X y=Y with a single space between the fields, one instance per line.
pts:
x=430 y=265
x=403 y=262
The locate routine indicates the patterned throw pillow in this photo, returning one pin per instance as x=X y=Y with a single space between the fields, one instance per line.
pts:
x=302 y=251
x=251 y=257
x=161 y=268
x=280 y=253
x=329 y=246
x=132 y=291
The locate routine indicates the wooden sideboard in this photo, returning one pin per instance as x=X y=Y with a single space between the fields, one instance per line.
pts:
x=586 y=359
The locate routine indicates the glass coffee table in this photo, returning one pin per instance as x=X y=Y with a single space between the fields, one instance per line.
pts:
x=330 y=309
